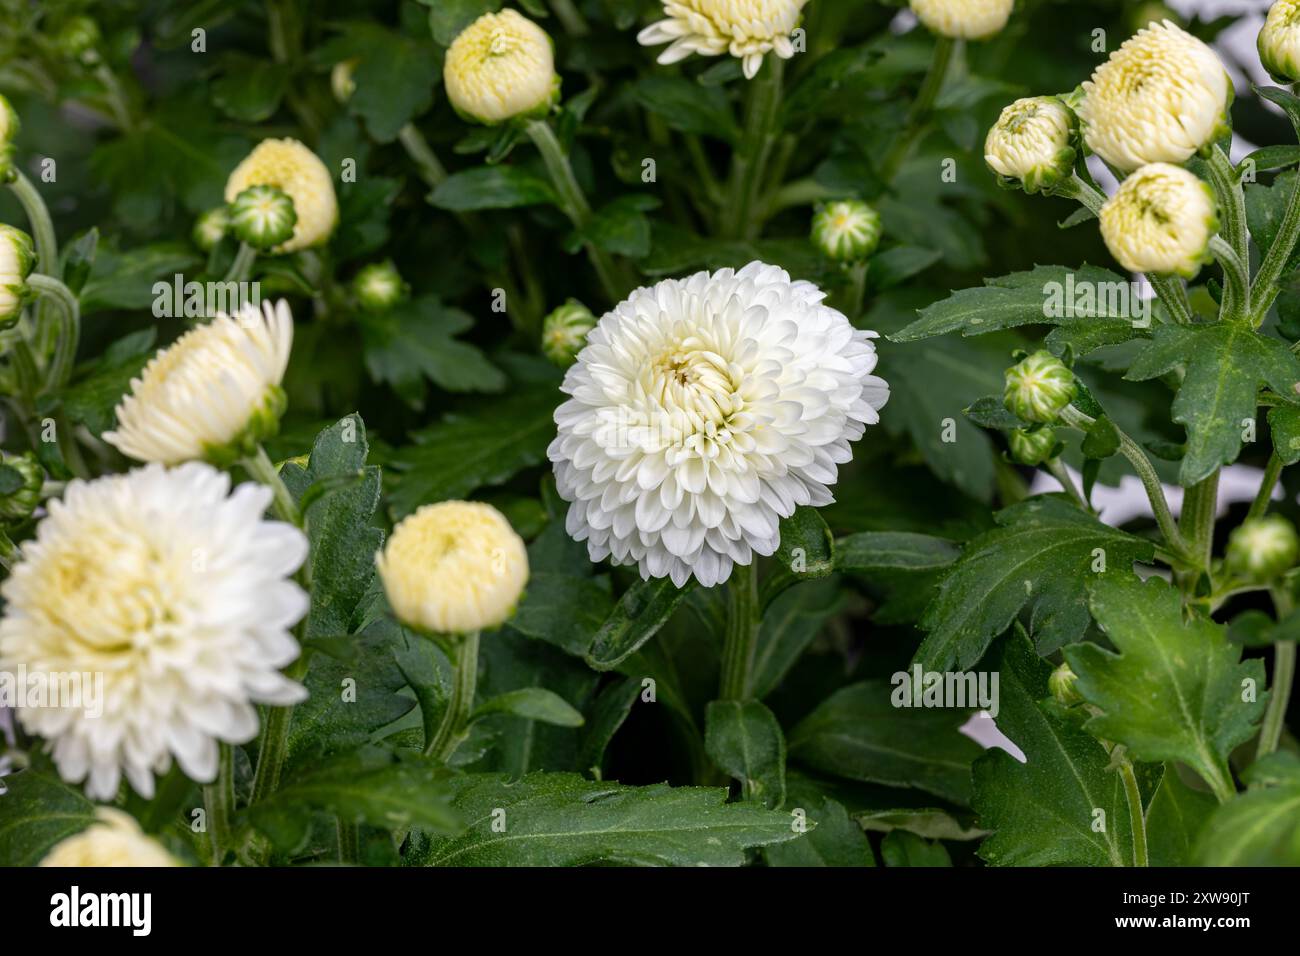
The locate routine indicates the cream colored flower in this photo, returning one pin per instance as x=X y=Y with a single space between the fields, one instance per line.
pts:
x=747 y=29
x=453 y=567
x=1159 y=98
x=17 y=258
x=174 y=591
x=1160 y=221
x=1032 y=142
x=847 y=230
x=501 y=67
x=703 y=411
x=963 y=19
x=1279 y=41
x=114 y=839
x=213 y=394
x=291 y=166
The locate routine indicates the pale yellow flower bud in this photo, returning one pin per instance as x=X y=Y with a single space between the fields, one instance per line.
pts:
x=290 y=166
x=114 y=839
x=1160 y=221
x=1279 y=41
x=1032 y=143
x=963 y=19
x=501 y=67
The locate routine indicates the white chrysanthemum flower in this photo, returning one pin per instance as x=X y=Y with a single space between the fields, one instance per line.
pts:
x=213 y=394
x=847 y=230
x=747 y=29
x=1159 y=98
x=17 y=259
x=114 y=839
x=289 y=165
x=704 y=410
x=963 y=19
x=501 y=67
x=453 y=568
x=178 y=593
x=1160 y=221
x=1032 y=142
x=1279 y=41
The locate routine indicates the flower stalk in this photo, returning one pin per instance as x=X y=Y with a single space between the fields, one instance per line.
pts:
x=749 y=166
x=69 y=328
x=741 y=639
x=455 y=719
x=1284 y=655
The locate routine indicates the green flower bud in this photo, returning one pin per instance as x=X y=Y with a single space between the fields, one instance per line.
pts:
x=9 y=127
x=1279 y=41
x=1032 y=143
x=1032 y=446
x=847 y=230
x=17 y=257
x=21 y=480
x=263 y=216
x=564 y=333
x=341 y=82
x=378 y=287
x=1061 y=684
x=1263 y=548
x=1039 y=388
x=78 y=38
x=210 y=228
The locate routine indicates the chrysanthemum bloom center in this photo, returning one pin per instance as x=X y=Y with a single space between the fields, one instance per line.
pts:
x=702 y=412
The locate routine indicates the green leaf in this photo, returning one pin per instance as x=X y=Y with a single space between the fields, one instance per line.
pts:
x=394 y=78
x=1284 y=428
x=642 y=610
x=38 y=812
x=1272 y=157
x=1260 y=827
x=896 y=265
x=92 y=401
x=1288 y=101
x=620 y=227
x=1041 y=556
x=991 y=412
x=249 y=88
x=415 y=340
x=1101 y=440
x=532 y=703
x=611 y=708
x=1174 y=691
x=1176 y=815
x=560 y=819
x=836 y=840
x=790 y=623
x=901 y=848
x=492 y=187
x=744 y=739
x=805 y=552
x=860 y=733
x=369 y=786
x=486 y=446
x=1226 y=364
x=127 y=280
x=1044 y=812
x=1027 y=298
x=448 y=17
x=895 y=551
x=688 y=107
x=564 y=610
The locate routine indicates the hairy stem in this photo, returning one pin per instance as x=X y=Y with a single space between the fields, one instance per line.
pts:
x=1232 y=210
x=931 y=86
x=1272 y=471
x=742 y=633
x=1200 y=507
x=1266 y=288
x=1284 y=654
x=262 y=469
x=1137 y=819
x=219 y=801
x=451 y=731
x=749 y=164
x=69 y=330
x=1236 y=291
x=1062 y=474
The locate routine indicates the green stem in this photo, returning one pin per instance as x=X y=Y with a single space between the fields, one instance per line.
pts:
x=1146 y=473
x=65 y=347
x=1232 y=210
x=1200 y=507
x=575 y=24
x=349 y=842
x=115 y=97
x=741 y=639
x=1220 y=780
x=1236 y=292
x=1284 y=654
x=451 y=731
x=1137 y=819
x=261 y=468
x=1272 y=471
x=572 y=201
x=38 y=216
x=931 y=86
x=275 y=740
x=1266 y=288
x=243 y=264
x=219 y=800
x=751 y=157
x=1062 y=474
x=426 y=160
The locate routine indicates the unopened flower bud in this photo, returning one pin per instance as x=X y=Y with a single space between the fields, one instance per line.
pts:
x=1279 y=41
x=963 y=19
x=378 y=287
x=9 y=127
x=79 y=38
x=847 y=230
x=342 y=83
x=501 y=67
x=1263 y=548
x=1031 y=144
x=17 y=257
x=1032 y=446
x=263 y=217
x=1061 y=684
x=289 y=165
x=210 y=228
x=22 y=490
x=564 y=332
x=1039 y=388
x=1160 y=221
